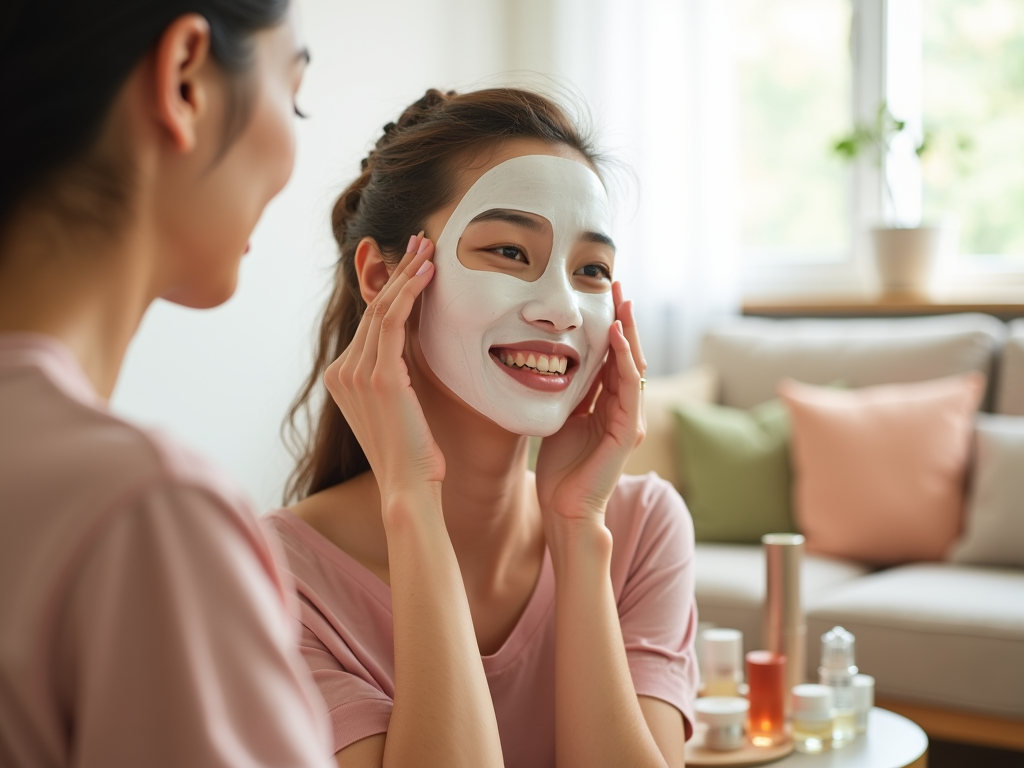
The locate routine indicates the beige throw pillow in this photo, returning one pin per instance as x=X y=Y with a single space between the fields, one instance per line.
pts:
x=994 y=530
x=662 y=396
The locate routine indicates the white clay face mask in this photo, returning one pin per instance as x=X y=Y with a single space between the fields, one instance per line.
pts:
x=474 y=323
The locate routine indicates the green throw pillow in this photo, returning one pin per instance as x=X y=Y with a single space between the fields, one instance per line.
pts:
x=736 y=465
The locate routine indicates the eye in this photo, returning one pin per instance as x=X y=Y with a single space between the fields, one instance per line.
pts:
x=299 y=113
x=597 y=271
x=512 y=252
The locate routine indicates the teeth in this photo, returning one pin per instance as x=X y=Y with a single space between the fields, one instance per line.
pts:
x=552 y=364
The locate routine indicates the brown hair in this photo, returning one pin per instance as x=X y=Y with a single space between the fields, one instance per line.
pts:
x=410 y=174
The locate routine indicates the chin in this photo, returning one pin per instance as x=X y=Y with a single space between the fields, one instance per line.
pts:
x=205 y=296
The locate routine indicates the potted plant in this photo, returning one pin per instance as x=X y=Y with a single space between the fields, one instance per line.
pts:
x=905 y=256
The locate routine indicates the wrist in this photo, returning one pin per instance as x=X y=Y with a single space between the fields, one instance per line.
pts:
x=579 y=543
x=410 y=506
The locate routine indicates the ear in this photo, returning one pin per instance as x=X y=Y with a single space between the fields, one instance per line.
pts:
x=182 y=59
x=371 y=268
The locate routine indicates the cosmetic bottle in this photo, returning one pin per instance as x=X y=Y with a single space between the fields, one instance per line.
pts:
x=785 y=628
x=812 y=718
x=837 y=671
x=766 y=681
x=863 y=701
x=722 y=654
x=724 y=716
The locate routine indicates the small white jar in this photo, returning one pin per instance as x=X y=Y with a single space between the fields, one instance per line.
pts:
x=722 y=661
x=812 y=717
x=863 y=701
x=724 y=716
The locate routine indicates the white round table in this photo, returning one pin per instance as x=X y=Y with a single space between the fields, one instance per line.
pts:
x=892 y=741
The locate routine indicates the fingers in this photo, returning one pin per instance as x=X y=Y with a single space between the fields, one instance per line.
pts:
x=624 y=312
x=358 y=342
x=362 y=352
x=384 y=315
x=628 y=379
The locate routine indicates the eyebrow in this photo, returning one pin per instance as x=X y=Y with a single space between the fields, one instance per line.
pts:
x=512 y=217
x=304 y=56
x=522 y=220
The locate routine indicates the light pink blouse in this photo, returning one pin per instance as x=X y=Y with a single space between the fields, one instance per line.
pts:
x=347 y=639
x=143 y=621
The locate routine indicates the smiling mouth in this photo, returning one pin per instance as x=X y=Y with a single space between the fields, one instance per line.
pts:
x=550 y=365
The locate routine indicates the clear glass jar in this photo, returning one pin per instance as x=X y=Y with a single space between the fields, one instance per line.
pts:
x=812 y=718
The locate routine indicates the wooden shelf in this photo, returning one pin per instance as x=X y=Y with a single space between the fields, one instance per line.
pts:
x=1005 y=306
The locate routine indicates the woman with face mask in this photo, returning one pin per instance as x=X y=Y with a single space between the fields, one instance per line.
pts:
x=456 y=608
x=143 y=621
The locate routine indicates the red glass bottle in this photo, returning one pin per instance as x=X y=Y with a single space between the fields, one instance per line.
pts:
x=766 y=678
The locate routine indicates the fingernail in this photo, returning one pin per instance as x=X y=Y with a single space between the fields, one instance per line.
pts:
x=423 y=245
x=424 y=267
x=412 y=244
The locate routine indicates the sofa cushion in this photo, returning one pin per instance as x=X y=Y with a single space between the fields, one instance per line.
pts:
x=941 y=634
x=879 y=472
x=1010 y=389
x=752 y=355
x=730 y=585
x=736 y=463
x=994 y=524
x=659 y=452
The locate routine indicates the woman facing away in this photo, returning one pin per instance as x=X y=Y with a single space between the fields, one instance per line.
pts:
x=458 y=609
x=142 y=619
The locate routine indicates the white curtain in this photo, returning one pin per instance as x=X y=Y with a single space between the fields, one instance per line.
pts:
x=659 y=79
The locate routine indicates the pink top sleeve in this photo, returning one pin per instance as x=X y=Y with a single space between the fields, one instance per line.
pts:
x=174 y=649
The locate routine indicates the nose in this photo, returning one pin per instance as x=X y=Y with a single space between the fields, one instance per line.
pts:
x=554 y=305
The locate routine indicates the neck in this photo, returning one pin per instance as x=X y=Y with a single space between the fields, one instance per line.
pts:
x=88 y=289
x=489 y=499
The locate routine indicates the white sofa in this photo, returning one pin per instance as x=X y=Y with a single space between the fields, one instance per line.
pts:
x=945 y=642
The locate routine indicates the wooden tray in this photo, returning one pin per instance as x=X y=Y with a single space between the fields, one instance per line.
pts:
x=697 y=755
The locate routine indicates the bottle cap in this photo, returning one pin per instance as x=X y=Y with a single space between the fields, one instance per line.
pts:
x=722 y=650
x=812 y=702
x=721 y=710
x=837 y=649
x=863 y=692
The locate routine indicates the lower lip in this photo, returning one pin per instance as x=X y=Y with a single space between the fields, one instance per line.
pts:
x=543 y=382
x=248 y=247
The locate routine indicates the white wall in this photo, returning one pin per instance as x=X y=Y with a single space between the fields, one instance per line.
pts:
x=221 y=380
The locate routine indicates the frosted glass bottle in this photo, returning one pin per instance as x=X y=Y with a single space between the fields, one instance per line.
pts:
x=837 y=671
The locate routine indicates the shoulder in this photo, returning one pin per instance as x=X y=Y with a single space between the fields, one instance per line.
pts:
x=647 y=516
x=646 y=503
x=79 y=469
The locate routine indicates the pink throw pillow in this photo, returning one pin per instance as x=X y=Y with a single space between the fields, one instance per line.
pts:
x=880 y=471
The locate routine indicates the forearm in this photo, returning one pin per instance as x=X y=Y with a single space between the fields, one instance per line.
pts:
x=443 y=715
x=597 y=715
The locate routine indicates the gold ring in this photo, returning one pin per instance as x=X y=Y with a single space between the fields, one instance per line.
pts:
x=643 y=382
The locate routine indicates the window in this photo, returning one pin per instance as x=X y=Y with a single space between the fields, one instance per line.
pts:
x=808 y=69
x=973 y=89
x=794 y=77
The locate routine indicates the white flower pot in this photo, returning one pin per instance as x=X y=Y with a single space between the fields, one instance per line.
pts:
x=906 y=257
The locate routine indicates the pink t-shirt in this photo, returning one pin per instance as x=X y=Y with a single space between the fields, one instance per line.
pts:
x=143 y=621
x=348 y=642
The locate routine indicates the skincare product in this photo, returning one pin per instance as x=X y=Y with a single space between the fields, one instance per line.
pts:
x=722 y=654
x=785 y=630
x=766 y=679
x=863 y=701
x=837 y=671
x=724 y=716
x=812 y=718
